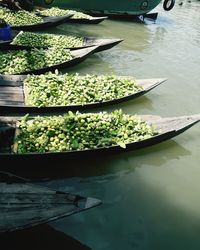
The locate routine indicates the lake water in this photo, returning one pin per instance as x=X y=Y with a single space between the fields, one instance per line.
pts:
x=150 y=197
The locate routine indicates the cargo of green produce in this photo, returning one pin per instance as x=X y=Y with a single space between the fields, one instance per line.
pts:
x=53 y=89
x=47 y=40
x=55 y=11
x=20 y=61
x=19 y=18
x=80 y=131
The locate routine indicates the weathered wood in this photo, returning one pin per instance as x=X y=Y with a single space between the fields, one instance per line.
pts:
x=166 y=125
x=103 y=44
x=11 y=96
x=149 y=84
x=25 y=205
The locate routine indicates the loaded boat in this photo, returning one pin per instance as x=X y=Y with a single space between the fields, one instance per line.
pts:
x=15 y=93
x=157 y=129
x=113 y=8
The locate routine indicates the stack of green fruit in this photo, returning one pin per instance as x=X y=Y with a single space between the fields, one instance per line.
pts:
x=19 y=18
x=53 y=89
x=55 y=11
x=47 y=40
x=77 y=131
x=20 y=61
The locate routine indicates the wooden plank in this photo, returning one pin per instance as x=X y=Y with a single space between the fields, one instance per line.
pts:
x=24 y=205
x=11 y=95
x=23 y=188
x=33 y=198
x=11 y=103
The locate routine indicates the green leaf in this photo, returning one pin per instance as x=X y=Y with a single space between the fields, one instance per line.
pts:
x=75 y=144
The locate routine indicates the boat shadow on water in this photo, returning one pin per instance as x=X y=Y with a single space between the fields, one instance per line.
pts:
x=62 y=168
x=40 y=238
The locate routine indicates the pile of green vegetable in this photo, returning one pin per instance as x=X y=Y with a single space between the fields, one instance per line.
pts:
x=53 y=89
x=55 y=11
x=79 y=131
x=19 y=18
x=47 y=40
x=20 y=61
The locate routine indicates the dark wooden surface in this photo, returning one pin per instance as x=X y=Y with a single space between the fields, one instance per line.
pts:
x=24 y=205
x=11 y=96
x=92 y=20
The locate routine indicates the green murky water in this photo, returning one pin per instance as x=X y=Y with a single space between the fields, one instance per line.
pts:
x=150 y=197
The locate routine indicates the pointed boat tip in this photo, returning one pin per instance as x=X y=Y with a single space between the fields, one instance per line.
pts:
x=118 y=40
x=92 y=202
x=161 y=80
x=196 y=116
x=114 y=40
x=192 y=119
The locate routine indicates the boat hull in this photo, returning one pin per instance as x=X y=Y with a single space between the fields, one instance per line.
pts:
x=24 y=205
x=134 y=7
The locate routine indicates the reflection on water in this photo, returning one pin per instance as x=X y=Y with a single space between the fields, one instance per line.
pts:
x=99 y=166
x=150 y=197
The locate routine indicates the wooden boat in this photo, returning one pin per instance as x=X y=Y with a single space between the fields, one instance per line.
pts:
x=102 y=43
x=104 y=7
x=167 y=128
x=48 y=22
x=91 y=20
x=24 y=205
x=79 y=56
x=12 y=97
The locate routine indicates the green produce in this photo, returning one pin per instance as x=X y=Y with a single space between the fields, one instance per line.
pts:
x=19 y=18
x=47 y=40
x=53 y=89
x=54 y=11
x=20 y=61
x=79 y=131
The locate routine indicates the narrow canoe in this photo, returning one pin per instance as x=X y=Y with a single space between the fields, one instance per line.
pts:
x=79 y=56
x=12 y=98
x=24 y=205
x=167 y=128
x=102 y=43
x=91 y=20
